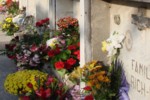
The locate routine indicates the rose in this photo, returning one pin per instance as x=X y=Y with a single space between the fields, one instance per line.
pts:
x=38 y=24
x=72 y=47
x=59 y=65
x=71 y=61
x=51 y=53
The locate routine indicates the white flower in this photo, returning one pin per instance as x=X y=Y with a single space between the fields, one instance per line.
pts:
x=52 y=42
x=114 y=43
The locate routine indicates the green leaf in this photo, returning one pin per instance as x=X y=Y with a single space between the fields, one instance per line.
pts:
x=61 y=72
x=69 y=41
x=68 y=52
x=64 y=56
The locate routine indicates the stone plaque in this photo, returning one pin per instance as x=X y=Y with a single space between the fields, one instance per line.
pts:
x=135 y=53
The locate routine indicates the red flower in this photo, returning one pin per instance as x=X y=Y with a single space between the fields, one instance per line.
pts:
x=11 y=56
x=77 y=53
x=57 y=50
x=34 y=48
x=60 y=84
x=49 y=80
x=87 y=88
x=46 y=20
x=38 y=24
x=72 y=47
x=30 y=85
x=71 y=61
x=89 y=97
x=42 y=21
x=9 y=2
x=43 y=93
x=51 y=53
x=59 y=65
x=67 y=66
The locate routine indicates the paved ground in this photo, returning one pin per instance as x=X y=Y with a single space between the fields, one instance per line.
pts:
x=6 y=67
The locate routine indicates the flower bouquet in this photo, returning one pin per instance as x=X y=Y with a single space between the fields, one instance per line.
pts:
x=20 y=83
x=12 y=7
x=101 y=84
x=9 y=27
x=64 y=52
x=27 y=54
x=68 y=25
x=42 y=26
x=35 y=85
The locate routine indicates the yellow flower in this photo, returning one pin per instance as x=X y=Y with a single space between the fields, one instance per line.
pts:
x=104 y=46
x=100 y=78
x=9 y=20
x=18 y=81
x=4 y=26
x=98 y=86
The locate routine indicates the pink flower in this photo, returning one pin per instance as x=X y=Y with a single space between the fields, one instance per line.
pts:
x=34 y=48
x=43 y=93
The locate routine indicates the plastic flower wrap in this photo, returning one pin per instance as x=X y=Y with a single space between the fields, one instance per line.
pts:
x=18 y=19
x=112 y=45
x=20 y=83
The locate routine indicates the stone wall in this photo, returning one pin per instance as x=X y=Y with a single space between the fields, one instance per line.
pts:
x=42 y=9
x=135 y=54
x=100 y=27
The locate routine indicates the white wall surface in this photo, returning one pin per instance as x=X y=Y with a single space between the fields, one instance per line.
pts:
x=136 y=49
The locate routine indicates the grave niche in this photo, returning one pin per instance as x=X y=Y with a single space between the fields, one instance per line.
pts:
x=135 y=52
x=57 y=10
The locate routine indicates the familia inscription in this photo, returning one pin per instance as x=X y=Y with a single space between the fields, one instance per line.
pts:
x=136 y=81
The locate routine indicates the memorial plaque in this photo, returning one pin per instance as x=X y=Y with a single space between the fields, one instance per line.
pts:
x=135 y=53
